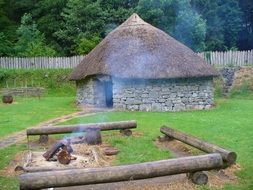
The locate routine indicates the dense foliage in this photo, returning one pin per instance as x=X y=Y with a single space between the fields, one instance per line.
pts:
x=66 y=27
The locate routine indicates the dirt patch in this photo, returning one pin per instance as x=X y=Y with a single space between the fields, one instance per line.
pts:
x=186 y=185
x=217 y=178
x=243 y=78
x=19 y=159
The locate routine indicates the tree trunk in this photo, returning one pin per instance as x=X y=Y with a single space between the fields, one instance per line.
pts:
x=81 y=128
x=76 y=177
x=228 y=156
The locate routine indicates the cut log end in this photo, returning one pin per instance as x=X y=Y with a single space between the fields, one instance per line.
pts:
x=231 y=158
x=164 y=138
x=43 y=139
x=199 y=178
x=64 y=157
x=93 y=136
x=126 y=132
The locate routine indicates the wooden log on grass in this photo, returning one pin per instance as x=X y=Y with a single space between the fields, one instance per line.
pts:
x=229 y=157
x=120 y=125
x=66 y=178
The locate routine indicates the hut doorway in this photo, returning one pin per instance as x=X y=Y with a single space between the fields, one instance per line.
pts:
x=103 y=93
x=108 y=94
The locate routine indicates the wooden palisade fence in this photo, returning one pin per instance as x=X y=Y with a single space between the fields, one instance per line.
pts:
x=218 y=59
x=40 y=62
x=228 y=58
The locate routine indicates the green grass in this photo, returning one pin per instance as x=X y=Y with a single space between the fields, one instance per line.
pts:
x=26 y=112
x=55 y=81
x=7 y=154
x=229 y=125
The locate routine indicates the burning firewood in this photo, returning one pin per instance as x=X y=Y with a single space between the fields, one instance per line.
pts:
x=64 y=156
x=56 y=148
x=53 y=150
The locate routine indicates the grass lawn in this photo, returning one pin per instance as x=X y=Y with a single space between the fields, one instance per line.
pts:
x=26 y=112
x=229 y=125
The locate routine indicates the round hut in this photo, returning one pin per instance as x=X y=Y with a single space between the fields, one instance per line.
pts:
x=140 y=67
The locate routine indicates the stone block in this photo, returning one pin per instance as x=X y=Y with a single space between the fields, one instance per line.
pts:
x=145 y=107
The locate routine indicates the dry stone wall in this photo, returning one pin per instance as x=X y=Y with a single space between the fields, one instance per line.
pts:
x=163 y=95
x=85 y=92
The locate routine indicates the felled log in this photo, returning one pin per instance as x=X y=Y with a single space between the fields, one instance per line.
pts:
x=228 y=156
x=53 y=150
x=31 y=169
x=199 y=178
x=76 y=177
x=81 y=128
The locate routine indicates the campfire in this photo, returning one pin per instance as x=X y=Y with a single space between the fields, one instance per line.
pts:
x=82 y=148
x=61 y=151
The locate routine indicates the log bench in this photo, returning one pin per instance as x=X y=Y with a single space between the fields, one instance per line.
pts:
x=229 y=157
x=75 y=177
x=124 y=127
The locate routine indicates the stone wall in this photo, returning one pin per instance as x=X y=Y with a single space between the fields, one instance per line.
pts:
x=23 y=91
x=163 y=95
x=91 y=92
x=85 y=92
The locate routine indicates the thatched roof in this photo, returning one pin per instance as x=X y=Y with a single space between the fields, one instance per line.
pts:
x=136 y=49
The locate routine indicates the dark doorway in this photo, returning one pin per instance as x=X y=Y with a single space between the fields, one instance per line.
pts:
x=103 y=92
x=108 y=94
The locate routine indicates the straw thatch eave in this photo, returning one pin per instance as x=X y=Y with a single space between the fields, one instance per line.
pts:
x=138 y=50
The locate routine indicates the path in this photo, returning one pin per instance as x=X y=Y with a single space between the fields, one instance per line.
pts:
x=21 y=135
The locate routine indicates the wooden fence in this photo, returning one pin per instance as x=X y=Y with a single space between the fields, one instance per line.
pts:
x=40 y=62
x=218 y=59
x=228 y=58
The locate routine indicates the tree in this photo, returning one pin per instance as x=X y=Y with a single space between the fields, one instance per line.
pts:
x=116 y=12
x=159 y=13
x=31 y=42
x=190 y=28
x=85 y=45
x=47 y=14
x=80 y=17
x=231 y=19
x=214 y=31
x=177 y=18
x=245 y=40
x=5 y=45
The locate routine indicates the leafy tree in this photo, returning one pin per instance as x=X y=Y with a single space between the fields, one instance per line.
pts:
x=159 y=13
x=116 y=12
x=245 y=40
x=5 y=45
x=214 y=30
x=177 y=18
x=85 y=45
x=190 y=27
x=230 y=17
x=48 y=16
x=80 y=17
x=31 y=42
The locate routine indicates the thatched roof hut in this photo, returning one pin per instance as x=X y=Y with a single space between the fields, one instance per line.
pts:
x=139 y=67
x=136 y=49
